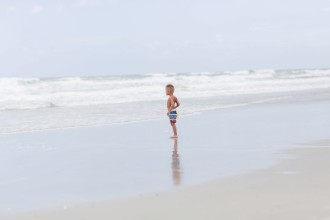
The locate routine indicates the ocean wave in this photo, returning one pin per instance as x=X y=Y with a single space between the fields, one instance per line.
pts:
x=34 y=93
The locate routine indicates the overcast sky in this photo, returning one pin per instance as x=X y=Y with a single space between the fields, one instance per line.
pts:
x=110 y=37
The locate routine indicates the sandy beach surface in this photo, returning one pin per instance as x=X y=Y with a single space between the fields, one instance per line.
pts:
x=257 y=162
x=298 y=188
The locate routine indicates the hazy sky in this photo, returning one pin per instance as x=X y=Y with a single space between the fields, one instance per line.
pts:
x=106 y=37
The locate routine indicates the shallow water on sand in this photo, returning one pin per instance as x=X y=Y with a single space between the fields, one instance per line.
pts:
x=60 y=168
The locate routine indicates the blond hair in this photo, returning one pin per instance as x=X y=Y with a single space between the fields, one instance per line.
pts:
x=170 y=86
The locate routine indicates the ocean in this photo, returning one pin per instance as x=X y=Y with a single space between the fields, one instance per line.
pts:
x=37 y=104
x=45 y=164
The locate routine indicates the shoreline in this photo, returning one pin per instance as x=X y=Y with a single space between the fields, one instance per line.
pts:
x=119 y=161
x=297 y=188
x=272 y=99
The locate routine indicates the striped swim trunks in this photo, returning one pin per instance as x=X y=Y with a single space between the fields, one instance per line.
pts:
x=173 y=116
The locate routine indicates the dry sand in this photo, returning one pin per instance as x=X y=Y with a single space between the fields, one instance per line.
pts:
x=296 y=189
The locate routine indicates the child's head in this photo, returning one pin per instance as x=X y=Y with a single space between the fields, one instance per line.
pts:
x=169 y=89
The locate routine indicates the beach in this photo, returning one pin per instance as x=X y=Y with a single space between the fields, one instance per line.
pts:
x=258 y=161
x=148 y=110
x=295 y=189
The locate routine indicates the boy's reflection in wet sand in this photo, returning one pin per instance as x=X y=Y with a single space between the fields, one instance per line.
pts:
x=176 y=169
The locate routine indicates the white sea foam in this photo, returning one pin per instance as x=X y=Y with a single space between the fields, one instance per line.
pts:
x=24 y=102
x=19 y=93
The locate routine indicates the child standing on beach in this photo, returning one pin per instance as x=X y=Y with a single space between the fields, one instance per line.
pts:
x=172 y=104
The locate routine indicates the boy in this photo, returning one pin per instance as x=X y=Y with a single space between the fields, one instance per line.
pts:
x=172 y=104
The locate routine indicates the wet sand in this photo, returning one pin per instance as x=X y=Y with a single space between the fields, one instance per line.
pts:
x=256 y=162
x=298 y=188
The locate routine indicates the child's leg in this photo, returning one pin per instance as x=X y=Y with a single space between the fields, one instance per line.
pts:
x=174 y=129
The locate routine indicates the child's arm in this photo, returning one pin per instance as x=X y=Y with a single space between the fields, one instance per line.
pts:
x=177 y=103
